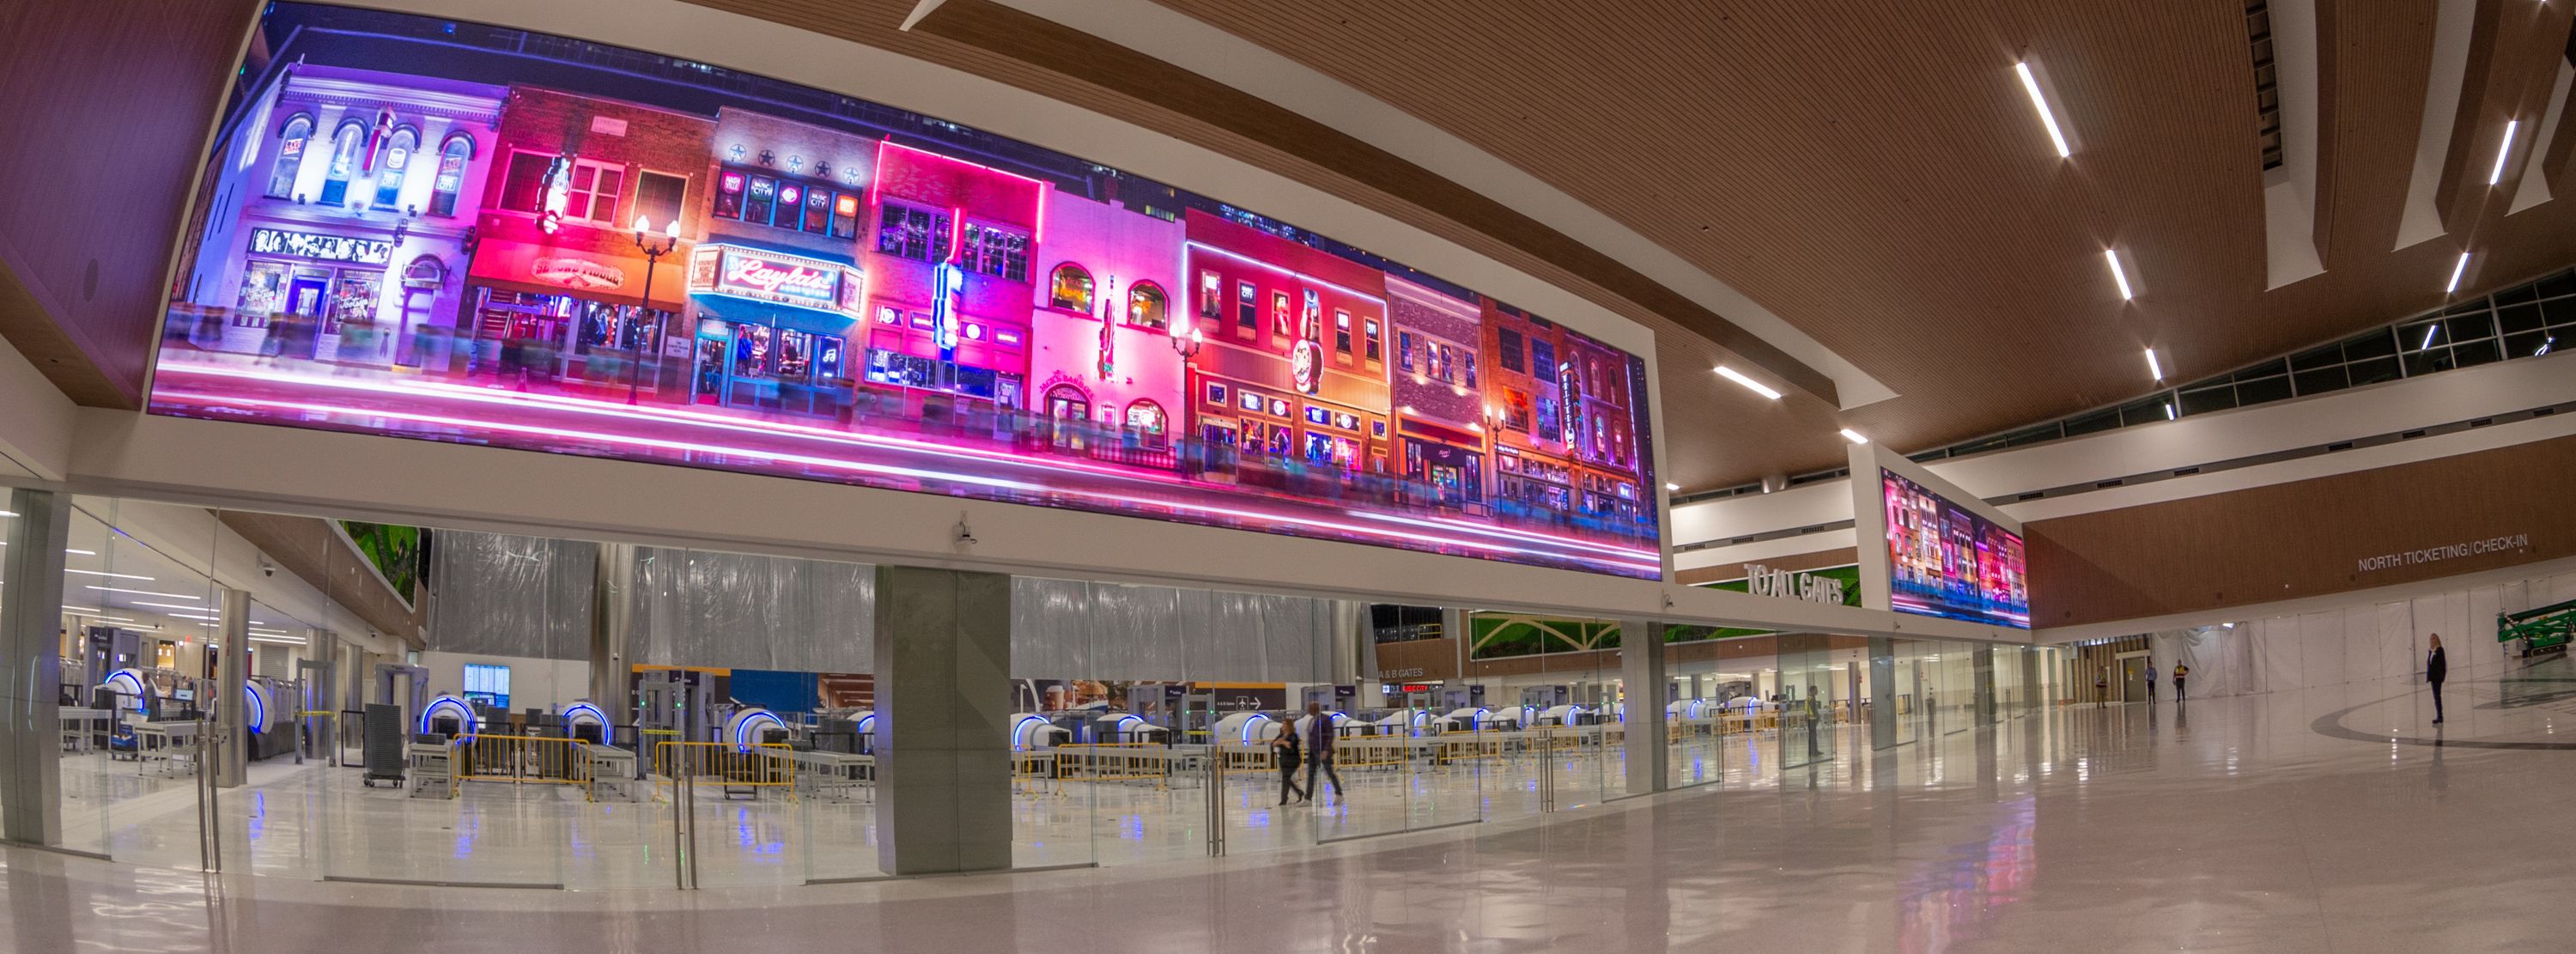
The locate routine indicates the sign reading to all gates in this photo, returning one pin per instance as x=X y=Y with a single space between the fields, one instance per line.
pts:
x=1413 y=672
x=1761 y=580
x=329 y=248
x=774 y=277
x=2448 y=551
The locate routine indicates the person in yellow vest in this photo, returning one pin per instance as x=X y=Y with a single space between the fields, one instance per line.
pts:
x=2180 y=672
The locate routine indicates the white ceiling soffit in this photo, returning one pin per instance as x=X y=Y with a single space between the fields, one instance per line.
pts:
x=2534 y=187
x=2290 y=192
x=1247 y=66
x=2452 y=27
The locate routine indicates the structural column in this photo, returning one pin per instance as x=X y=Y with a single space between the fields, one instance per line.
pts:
x=1641 y=666
x=232 y=686
x=31 y=669
x=612 y=616
x=1882 y=692
x=1985 y=676
x=2036 y=699
x=943 y=657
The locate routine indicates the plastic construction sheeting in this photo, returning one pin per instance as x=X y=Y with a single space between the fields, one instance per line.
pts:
x=1072 y=629
x=706 y=608
x=503 y=595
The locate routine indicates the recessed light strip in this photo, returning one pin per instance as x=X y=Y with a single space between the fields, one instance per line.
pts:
x=2112 y=255
x=2503 y=152
x=112 y=576
x=1738 y=377
x=2457 y=271
x=2039 y=101
x=2153 y=366
x=1854 y=436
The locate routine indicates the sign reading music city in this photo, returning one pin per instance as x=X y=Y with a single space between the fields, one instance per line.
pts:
x=774 y=277
x=329 y=248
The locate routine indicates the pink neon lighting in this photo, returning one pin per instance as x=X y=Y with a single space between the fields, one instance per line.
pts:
x=1618 y=555
x=1293 y=273
x=828 y=463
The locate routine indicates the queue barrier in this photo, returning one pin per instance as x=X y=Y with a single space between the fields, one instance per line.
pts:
x=739 y=769
x=1115 y=762
x=1033 y=771
x=519 y=759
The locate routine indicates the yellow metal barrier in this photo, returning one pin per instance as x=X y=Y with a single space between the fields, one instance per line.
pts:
x=754 y=767
x=1370 y=751
x=1115 y=762
x=1257 y=757
x=1033 y=771
x=520 y=759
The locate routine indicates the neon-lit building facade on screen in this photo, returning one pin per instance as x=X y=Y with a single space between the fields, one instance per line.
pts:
x=828 y=289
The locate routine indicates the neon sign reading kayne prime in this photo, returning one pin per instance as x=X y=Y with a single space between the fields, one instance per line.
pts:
x=772 y=277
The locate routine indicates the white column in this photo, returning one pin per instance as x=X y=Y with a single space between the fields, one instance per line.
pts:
x=31 y=620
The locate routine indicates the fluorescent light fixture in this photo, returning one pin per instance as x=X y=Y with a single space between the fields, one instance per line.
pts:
x=2544 y=346
x=1738 y=377
x=8 y=513
x=2456 y=272
x=1675 y=488
x=115 y=576
x=80 y=552
x=288 y=642
x=1854 y=436
x=2169 y=411
x=2503 y=152
x=120 y=589
x=2429 y=331
x=2153 y=367
x=201 y=616
x=2113 y=256
x=2039 y=101
x=83 y=610
x=183 y=606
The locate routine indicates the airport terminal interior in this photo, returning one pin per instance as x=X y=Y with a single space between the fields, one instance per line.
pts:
x=1007 y=475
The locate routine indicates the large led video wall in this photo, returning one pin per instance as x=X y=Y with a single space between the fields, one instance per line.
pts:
x=1946 y=560
x=457 y=232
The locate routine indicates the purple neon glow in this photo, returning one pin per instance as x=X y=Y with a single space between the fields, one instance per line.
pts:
x=1403 y=529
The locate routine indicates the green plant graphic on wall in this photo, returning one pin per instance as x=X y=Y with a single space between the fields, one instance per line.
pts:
x=400 y=553
x=1503 y=635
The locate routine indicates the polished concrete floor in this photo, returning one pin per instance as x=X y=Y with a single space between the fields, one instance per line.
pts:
x=2328 y=820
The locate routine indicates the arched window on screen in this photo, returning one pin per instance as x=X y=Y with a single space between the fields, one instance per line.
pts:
x=345 y=146
x=1146 y=421
x=1148 y=307
x=291 y=140
x=1070 y=289
x=393 y=165
x=451 y=174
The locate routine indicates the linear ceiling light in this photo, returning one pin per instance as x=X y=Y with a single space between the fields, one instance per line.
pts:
x=2456 y=271
x=1673 y=487
x=2039 y=101
x=2503 y=151
x=1854 y=436
x=2153 y=367
x=2112 y=255
x=113 y=576
x=1756 y=386
x=2169 y=411
x=120 y=589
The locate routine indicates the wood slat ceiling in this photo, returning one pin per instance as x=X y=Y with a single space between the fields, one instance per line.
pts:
x=1872 y=174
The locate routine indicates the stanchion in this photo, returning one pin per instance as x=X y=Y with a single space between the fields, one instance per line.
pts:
x=1216 y=807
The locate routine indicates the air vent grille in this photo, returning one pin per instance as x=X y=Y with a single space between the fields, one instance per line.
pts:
x=2267 y=82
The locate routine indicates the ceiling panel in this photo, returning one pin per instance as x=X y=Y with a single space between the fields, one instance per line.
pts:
x=1873 y=174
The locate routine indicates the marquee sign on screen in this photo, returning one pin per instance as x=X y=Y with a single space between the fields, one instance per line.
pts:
x=1945 y=560
x=426 y=232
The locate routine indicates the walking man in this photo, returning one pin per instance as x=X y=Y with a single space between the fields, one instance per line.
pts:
x=2436 y=668
x=1319 y=751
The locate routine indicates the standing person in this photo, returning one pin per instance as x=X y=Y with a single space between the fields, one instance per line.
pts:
x=1284 y=749
x=2102 y=687
x=2151 y=683
x=1319 y=751
x=2436 y=668
x=2180 y=671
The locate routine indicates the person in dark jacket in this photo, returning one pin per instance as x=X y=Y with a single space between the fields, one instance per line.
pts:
x=2436 y=668
x=1284 y=749
x=1319 y=750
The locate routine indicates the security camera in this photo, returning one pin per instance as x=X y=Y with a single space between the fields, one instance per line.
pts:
x=266 y=568
x=965 y=534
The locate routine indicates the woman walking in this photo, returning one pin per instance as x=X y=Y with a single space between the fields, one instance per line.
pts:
x=1284 y=749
